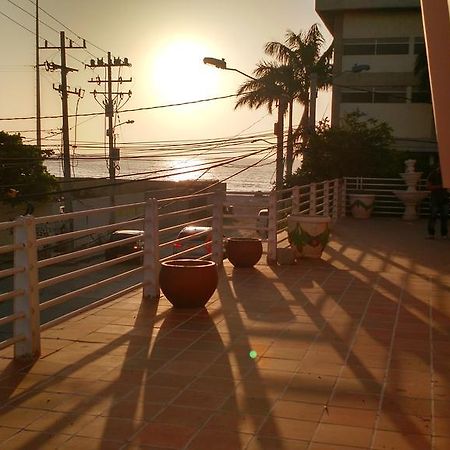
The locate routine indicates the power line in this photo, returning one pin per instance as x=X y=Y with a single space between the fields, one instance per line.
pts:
x=155 y=177
x=145 y=108
x=68 y=29
x=33 y=16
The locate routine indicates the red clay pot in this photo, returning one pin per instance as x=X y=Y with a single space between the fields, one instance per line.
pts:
x=244 y=252
x=188 y=283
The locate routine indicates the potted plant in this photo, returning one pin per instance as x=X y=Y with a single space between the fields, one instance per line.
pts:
x=308 y=235
x=188 y=283
x=243 y=251
x=361 y=204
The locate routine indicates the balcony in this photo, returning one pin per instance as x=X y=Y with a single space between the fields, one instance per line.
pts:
x=349 y=351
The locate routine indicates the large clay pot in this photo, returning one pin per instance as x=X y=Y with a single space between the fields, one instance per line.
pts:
x=188 y=283
x=308 y=234
x=361 y=205
x=244 y=252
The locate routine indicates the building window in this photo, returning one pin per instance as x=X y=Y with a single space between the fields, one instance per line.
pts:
x=374 y=95
x=376 y=46
x=359 y=46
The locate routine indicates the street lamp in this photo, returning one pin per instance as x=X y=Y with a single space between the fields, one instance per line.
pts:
x=279 y=126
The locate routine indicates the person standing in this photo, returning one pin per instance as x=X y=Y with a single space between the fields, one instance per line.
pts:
x=438 y=203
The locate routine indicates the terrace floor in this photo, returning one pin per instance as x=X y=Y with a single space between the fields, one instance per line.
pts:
x=348 y=352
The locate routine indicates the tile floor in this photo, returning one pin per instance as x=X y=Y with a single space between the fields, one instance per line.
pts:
x=347 y=352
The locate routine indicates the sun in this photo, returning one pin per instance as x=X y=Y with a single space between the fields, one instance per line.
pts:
x=179 y=75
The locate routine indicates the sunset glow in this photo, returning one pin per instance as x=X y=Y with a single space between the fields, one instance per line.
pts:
x=179 y=75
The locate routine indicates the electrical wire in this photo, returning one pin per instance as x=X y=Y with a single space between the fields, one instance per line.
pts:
x=145 y=108
x=68 y=29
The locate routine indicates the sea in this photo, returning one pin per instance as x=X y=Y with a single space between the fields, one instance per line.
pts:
x=241 y=176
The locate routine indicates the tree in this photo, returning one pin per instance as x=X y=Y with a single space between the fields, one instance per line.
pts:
x=355 y=148
x=289 y=79
x=24 y=178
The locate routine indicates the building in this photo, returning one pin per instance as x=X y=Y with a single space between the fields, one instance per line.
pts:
x=381 y=40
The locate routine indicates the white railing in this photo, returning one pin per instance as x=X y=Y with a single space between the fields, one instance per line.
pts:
x=386 y=203
x=53 y=277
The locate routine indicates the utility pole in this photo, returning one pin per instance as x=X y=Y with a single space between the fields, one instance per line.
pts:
x=279 y=131
x=38 y=83
x=112 y=101
x=64 y=90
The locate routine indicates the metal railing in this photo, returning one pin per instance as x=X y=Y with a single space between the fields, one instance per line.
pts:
x=386 y=202
x=48 y=277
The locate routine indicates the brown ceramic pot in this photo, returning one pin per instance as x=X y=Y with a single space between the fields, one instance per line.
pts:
x=244 y=252
x=188 y=283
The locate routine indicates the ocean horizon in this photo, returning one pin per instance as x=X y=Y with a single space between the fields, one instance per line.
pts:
x=254 y=178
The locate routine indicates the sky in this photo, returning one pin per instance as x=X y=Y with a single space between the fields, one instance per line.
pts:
x=165 y=41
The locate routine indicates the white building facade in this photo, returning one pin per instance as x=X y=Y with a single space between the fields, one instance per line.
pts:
x=384 y=36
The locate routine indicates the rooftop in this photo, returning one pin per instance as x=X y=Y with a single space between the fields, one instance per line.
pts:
x=350 y=351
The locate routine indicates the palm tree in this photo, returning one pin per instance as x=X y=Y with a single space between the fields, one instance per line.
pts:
x=274 y=84
x=288 y=79
x=303 y=52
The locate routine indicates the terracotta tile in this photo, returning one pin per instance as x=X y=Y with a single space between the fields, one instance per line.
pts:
x=288 y=428
x=26 y=439
x=201 y=399
x=362 y=418
x=297 y=410
x=323 y=446
x=441 y=443
x=248 y=405
x=406 y=405
x=442 y=426
x=83 y=443
x=7 y=432
x=233 y=422
x=59 y=422
x=19 y=417
x=184 y=416
x=358 y=401
x=110 y=428
x=343 y=435
x=401 y=441
x=164 y=435
x=406 y=424
x=219 y=440
x=274 y=443
x=442 y=408
x=131 y=409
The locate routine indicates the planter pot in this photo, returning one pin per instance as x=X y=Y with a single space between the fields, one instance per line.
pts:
x=308 y=234
x=244 y=252
x=188 y=283
x=361 y=205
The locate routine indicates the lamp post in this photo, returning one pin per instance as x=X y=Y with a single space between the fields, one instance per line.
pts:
x=279 y=126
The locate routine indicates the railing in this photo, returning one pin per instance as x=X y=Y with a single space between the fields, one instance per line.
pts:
x=46 y=278
x=386 y=203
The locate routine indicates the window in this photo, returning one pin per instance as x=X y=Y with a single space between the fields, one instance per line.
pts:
x=353 y=96
x=374 y=95
x=359 y=46
x=389 y=95
x=376 y=46
x=392 y=46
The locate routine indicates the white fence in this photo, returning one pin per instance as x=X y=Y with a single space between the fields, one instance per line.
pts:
x=46 y=278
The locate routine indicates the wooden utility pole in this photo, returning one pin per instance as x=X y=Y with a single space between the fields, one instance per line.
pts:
x=111 y=102
x=38 y=83
x=64 y=90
